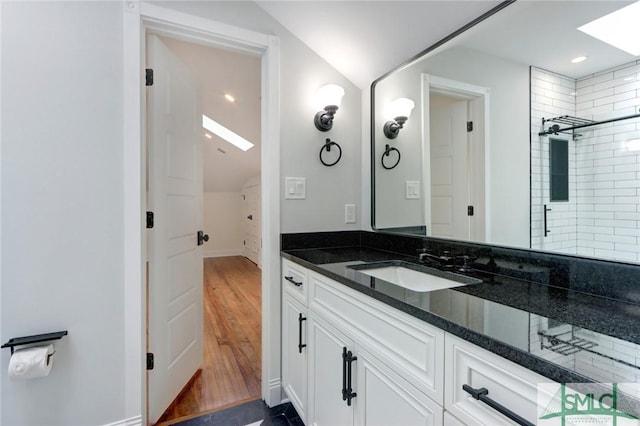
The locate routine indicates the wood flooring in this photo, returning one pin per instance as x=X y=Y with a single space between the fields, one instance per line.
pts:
x=232 y=340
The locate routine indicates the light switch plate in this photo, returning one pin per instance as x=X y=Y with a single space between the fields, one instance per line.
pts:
x=413 y=189
x=349 y=213
x=295 y=188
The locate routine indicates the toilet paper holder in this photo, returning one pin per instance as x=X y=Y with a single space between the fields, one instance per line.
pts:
x=37 y=338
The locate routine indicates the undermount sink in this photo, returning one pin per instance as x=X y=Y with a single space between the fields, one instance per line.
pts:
x=414 y=277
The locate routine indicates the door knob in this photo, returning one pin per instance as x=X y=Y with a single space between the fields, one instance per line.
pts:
x=250 y=217
x=202 y=238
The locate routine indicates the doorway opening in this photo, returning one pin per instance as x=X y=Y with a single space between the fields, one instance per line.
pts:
x=141 y=18
x=456 y=119
x=228 y=86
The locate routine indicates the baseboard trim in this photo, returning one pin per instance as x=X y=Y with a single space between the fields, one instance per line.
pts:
x=133 y=421
x=275 y=391
x=222 y=253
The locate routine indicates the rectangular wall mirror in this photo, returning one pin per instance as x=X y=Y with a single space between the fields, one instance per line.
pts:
x=514 y=139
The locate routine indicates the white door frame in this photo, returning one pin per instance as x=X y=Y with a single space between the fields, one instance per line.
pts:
x=445 y=86
x=139 y=16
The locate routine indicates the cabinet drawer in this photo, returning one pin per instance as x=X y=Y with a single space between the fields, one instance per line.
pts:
x=413 y=348
x=510 y=385
x=294 y=280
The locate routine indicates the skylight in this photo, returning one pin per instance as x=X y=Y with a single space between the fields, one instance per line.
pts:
x=620 y=29
x=226 y=134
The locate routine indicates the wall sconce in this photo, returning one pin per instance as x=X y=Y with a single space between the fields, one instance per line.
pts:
x=400 y=110
x=329 y=98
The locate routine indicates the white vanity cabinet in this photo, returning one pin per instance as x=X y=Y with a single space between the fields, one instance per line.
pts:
x=294 y=335
x=339 y=367
x=398 y=370
x=392 y=359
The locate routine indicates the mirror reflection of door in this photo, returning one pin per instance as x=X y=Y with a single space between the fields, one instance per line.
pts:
x=449 y=167
x=455 y=147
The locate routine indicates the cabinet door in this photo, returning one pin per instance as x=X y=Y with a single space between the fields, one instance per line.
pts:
x=326 y=406
x=386 y=399
x=294 y=353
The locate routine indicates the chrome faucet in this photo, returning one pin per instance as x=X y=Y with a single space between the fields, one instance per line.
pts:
x=445 y=260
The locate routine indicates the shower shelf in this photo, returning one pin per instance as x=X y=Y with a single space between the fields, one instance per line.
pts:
x=565 y=343
x=575 y=123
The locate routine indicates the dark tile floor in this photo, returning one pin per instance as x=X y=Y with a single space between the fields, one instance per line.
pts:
x=248 y=413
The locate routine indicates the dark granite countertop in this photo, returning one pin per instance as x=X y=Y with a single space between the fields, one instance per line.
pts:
x=565 y=335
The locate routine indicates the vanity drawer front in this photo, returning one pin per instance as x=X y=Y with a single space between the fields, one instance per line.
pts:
x=295 y=280
x=510 y=385
x=414 y=348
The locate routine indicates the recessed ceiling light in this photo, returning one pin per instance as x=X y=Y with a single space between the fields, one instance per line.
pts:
x=629 y=78
x=620 y=29
x=226 y=134
x=229 y=97
x=578 y=59
x=208 y=135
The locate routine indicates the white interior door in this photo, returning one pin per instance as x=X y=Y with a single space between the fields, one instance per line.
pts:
x=449 y=167
x=175 y=195
x=251 y=221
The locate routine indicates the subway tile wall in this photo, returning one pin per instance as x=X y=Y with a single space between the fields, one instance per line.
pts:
x=552 y=95
x=609 y=172
x=602 y=217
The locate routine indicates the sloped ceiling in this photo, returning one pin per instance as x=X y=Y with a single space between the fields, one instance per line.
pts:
x=225 y=167
x=365 y=39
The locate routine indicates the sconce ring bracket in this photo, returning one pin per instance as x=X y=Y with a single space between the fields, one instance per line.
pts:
x=327 y=147
x=387 y=151
x=323 y=120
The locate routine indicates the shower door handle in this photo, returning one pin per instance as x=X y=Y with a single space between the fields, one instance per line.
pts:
x=546 y=230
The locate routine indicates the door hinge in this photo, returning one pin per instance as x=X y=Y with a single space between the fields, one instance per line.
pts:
x=244 y=242
x=149 y=220
x=469 y=126
x=244 y=197
x=149 y=361
x=469 y=210
x=148 y=77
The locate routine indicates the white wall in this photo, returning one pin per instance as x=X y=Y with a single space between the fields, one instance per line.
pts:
x=302 y=73
x=62 y=188
x=223 y=224
x=62 y=207
x=54 y=169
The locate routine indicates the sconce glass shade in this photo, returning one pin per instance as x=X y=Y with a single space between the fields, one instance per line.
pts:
x=331 y=94
x=329 y=98
x=400 y=110
x=401 y=107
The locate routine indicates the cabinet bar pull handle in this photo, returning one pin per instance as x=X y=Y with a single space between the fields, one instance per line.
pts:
x=300 y=345
x=347 y=390
x=481 y=395
x=294 y=282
